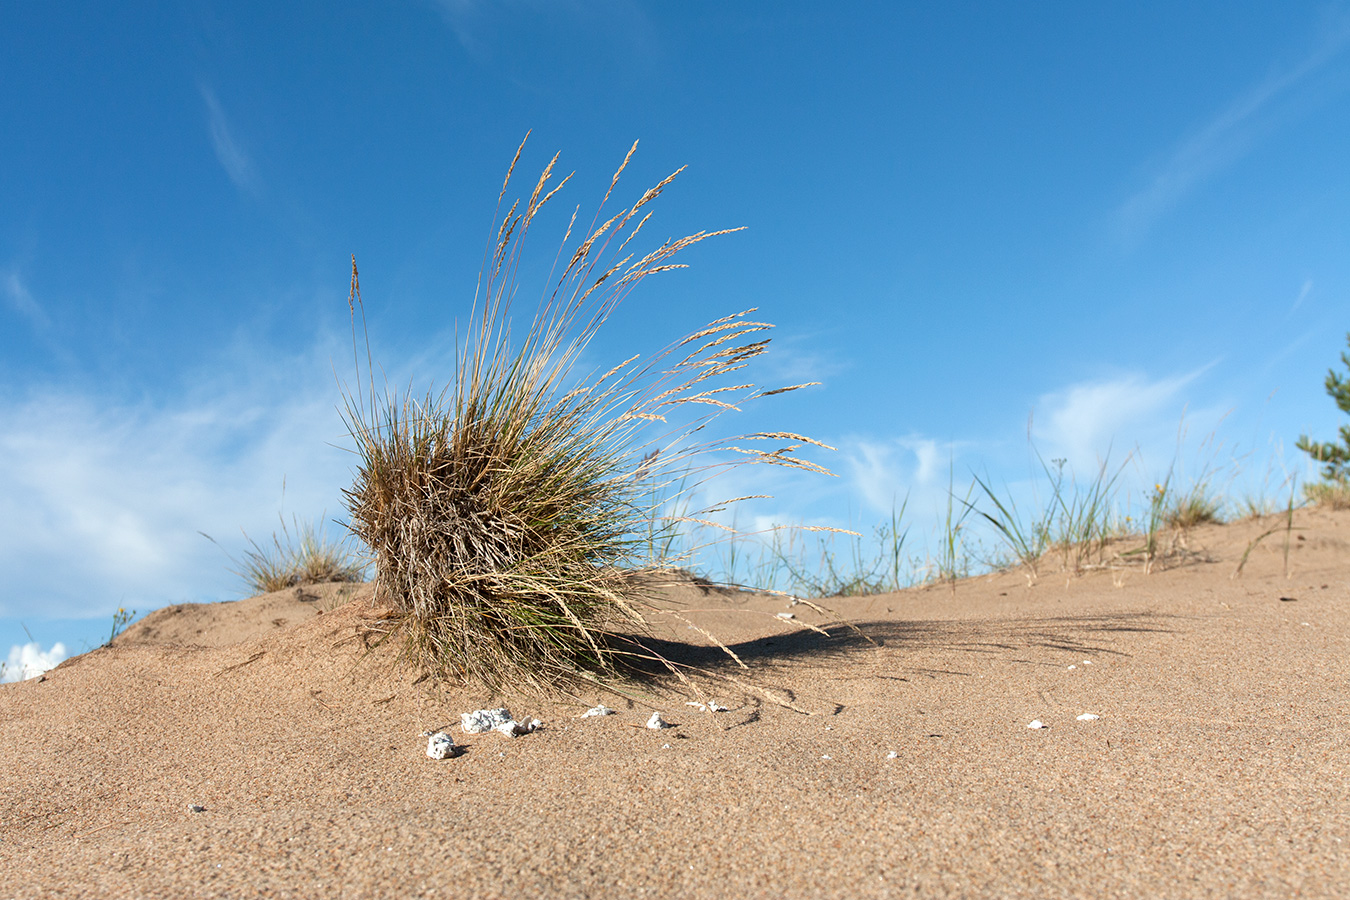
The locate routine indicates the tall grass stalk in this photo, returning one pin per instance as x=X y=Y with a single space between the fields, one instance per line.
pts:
x=1028 y=539
x=952 y=562
x=503 y=510
x=1085 y=522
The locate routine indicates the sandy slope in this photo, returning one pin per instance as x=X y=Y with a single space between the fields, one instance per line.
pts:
x=1220 y=765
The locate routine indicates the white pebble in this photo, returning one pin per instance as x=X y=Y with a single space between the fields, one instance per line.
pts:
x=1088 y=717
x=601 y=710
x=484 y=720
x=656 y=722
x=440 y=745
x=514 y=728
x=892 y=755
x=1037 y=723
x=1071 y=668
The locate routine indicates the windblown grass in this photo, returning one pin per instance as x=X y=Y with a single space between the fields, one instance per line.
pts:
x=505 y=511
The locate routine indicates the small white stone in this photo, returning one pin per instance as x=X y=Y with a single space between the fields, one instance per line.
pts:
x=710 y=706
x=786 y=615
x=513 y=728
x=1088 y=717
x=484 y=720
x=440 y=745
x=826 y=756
x=1037 y=723
x=601 y=710
x=656 y=722
x=1071 y=668
x=892 y=755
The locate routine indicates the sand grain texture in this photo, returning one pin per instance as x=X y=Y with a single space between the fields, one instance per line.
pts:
x=1218 y=766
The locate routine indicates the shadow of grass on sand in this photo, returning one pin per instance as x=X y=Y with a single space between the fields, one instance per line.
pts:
x=1084 y=635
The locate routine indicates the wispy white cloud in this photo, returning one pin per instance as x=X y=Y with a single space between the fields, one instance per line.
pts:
x=231 y=154
x=102 y=500
x=463 y=18
x=1226 y=137
x=490 y=31
x=30 y=660
x=1302 y=295
x=1089 y=422
x=21 y=300
x=883 y=473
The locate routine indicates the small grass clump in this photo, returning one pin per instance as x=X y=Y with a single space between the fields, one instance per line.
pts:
x=1331 y=493
x=505 y=512
x=297 y=558
x=1194 y=507
x=1077 y=520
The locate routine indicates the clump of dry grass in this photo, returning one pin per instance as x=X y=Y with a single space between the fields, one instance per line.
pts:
x=296 y=559
x=1331 y=493
x=503 y=510
x=1195 y=507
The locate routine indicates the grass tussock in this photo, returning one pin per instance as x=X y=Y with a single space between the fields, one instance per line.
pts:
x=1192 y=508
x=300 y=555
x=505 y=511
x=1333 y=494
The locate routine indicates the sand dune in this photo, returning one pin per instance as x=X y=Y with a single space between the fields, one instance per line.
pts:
x=1218 y=766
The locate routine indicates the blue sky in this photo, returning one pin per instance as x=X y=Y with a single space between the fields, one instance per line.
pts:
x=960 y=216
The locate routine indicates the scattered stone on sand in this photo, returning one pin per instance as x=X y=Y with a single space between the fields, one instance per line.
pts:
x=499 y=719
x=1088 y=717
x=601 y=710
x=1037 y=723
x=512 y=728
x=440 y=745
x=484 y=720
x=710 y=706
x=656 y=722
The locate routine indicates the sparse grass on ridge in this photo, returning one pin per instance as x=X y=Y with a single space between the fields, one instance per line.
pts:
x=1334 y=494
x=300 y=555
x=503 y=510
x=1195 y=507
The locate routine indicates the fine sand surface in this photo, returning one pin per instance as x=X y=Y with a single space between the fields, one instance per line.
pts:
x=1219 y=766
